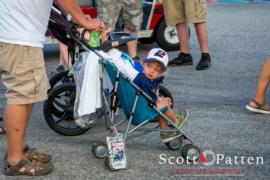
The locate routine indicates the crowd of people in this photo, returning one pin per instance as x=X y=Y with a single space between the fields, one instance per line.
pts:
x=24 y=75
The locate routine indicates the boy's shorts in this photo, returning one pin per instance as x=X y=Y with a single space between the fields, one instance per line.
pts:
x=179 y=11
x=129 y=10
x=23 y=73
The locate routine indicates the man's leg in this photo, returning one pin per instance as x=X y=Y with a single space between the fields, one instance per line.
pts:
x=202 y=36
x=182 y=31
x=131 y=13
x=132 y=45
x=16 y=119
x=25 y=85
x=184 y=57
x=29 y=112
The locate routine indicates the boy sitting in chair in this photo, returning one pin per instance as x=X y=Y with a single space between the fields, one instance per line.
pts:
x=155 y=64
x=146 y=78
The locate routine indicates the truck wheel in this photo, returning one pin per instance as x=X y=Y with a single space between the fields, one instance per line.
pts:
x=166 y=36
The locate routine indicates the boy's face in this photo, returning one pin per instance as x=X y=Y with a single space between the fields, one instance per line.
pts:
x=152 y=70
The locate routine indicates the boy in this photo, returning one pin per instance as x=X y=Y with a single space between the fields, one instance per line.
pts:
x=155 y=64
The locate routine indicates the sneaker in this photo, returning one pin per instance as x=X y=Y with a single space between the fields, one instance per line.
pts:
x=205 y=62
x=27 y=167
x=182 y=59
x=33 y=154
x=167 y=136
x=181 y=118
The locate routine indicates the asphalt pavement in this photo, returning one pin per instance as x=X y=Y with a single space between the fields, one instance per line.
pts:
x=237 y=140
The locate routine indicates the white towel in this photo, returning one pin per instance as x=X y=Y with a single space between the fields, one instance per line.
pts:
x=90 y=96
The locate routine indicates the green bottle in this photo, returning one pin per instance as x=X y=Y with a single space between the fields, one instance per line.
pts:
x=94 y=40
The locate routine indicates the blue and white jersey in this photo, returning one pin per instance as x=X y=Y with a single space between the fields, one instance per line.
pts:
x=127 y=59
x=134 y=71
x=125 y=63
x=147 y=85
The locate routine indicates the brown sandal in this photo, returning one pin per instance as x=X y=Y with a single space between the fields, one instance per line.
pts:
x=32 y=153
x=27 y=167
x=260 y=108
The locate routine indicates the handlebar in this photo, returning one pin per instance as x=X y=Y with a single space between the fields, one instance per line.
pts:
x=117 y=39
x=114 y=39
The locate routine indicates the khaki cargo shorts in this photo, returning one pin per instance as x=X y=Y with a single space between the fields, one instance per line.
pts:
x=130 y=11
x=190 y=11
x=23 y=73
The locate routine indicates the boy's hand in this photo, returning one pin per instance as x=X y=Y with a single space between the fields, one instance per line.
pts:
x=161 y=102
x=168 y=101
x=104 y=34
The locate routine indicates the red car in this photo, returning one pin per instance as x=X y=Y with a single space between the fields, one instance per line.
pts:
x=153 y=26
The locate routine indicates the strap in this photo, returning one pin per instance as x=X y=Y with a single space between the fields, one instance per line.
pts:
x=262 y=106
x=14 y=170
x=259 y=105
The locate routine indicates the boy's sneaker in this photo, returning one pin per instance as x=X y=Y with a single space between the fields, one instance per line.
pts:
x=182 y=59
x=27 y=167
x=205 y=62
x=181 y=118
x=167 y=136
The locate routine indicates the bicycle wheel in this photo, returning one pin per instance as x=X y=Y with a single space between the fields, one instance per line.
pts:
x=58 y=110
x=60 y=78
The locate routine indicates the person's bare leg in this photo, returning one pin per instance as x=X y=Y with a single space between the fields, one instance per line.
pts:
x=132 y=45
x=170 y=114
x=15 y=121
x=65 y=59
x=29 y=112
x=263 y=83
x=202 y=36
x=182 y=31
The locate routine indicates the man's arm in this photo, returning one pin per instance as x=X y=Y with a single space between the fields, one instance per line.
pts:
x=72 y=8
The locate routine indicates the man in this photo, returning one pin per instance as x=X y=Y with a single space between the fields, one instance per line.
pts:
x=131 y=13
x=22 y=29
x=181 y=12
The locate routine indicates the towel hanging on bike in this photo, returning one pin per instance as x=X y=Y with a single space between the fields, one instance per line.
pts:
x=87 y=80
